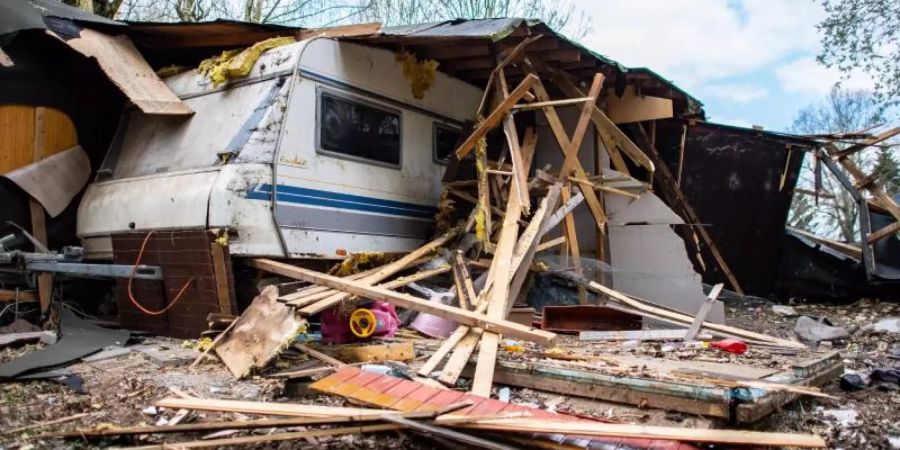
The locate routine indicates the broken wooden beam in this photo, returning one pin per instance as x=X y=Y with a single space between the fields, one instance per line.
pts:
x=459 y=315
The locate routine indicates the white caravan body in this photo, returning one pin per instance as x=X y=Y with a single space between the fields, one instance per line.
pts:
x=265 y=158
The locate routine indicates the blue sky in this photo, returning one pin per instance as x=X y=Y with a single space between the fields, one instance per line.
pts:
x=751 y=62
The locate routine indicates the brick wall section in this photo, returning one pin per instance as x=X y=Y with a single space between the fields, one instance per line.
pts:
x=182 y=255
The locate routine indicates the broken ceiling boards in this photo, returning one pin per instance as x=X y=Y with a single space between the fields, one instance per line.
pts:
x=128 y=70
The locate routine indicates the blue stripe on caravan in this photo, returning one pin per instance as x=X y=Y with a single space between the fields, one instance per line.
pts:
x=293 y=194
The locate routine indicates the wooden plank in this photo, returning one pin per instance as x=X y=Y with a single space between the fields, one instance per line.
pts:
x=38 y=215
x=446 y=347
x=289 y=436
x=223 y=291
x=502 y=271
x=553 y=103
x=470 y=318
x=460 y=357
x=275 y=409
x=468 y=440
x=585 y=428
x=843 y=247
x=383 y=272
x=258 y=335
x=464 y=285
x=551 y=243
x=842 y=154
x=640 y=306
x=632 y=106
x=883 y=232
x=609 y=131
x=496 y=116
x=388 y=351
x=10 y=295
x=104 y=431
x=313 y=353
x=636 y=335
x=703 y=312
x=560 y=133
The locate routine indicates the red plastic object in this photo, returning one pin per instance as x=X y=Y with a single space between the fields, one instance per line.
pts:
x=731 y=346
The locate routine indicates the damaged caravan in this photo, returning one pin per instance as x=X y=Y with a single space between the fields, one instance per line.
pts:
x=323 y=150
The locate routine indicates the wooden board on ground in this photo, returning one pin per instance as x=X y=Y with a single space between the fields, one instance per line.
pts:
x=259 y=334
x=372 y=352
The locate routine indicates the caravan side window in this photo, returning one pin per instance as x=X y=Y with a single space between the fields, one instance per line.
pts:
x=358 y=129
x=445 y=138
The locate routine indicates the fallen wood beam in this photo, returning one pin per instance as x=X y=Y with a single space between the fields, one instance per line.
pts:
x=703 y=312
x=553 y=103
x=884 y=232
x=469 y=440
x=640 y=306
x=459 y=315
x=275 y=409
x=734 y=437
x=291 y=436
x=842 y=154
x=102 y=431
x=319 y=355
x=383 y=272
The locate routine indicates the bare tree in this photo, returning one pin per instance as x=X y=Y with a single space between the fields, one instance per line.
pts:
x=864 y=34
x=836 y=216
x=560 y=15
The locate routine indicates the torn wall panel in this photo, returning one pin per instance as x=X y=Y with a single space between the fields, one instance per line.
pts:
x=649 y=259
x=70 y=171
x=733 y=179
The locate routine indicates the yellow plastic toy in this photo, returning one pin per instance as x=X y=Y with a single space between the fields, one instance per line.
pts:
x=362 y=323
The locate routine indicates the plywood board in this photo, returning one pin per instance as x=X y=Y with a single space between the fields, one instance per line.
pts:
x=258 y=334
x=128 y=70
x=17 y=126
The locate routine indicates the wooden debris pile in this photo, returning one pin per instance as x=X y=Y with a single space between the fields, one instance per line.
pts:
x=434 y=413
x=511 y=213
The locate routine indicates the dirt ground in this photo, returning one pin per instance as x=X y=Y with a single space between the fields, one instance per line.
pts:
x=121 y=390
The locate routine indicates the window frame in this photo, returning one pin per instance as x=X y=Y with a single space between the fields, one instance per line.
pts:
x=434 y=140
x=346 y=96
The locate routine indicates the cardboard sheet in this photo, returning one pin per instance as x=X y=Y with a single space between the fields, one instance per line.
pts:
x=69 y=171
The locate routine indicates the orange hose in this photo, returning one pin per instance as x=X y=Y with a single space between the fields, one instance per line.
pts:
x=131 y=280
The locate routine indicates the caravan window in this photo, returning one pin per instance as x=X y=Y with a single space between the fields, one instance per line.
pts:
x=445 y=138
x=357 y=129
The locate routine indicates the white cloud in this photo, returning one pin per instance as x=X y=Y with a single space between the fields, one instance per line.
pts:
x=736 y=92
x=806 y=76
x=697 y=41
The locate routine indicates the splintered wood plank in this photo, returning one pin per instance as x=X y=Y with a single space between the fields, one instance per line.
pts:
x=496 y=116
x=460 y=357
x=223 y=291
x=499 y=295
x=704 y=310
x=382 y=272
x=259 y=334
x=470 y=318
